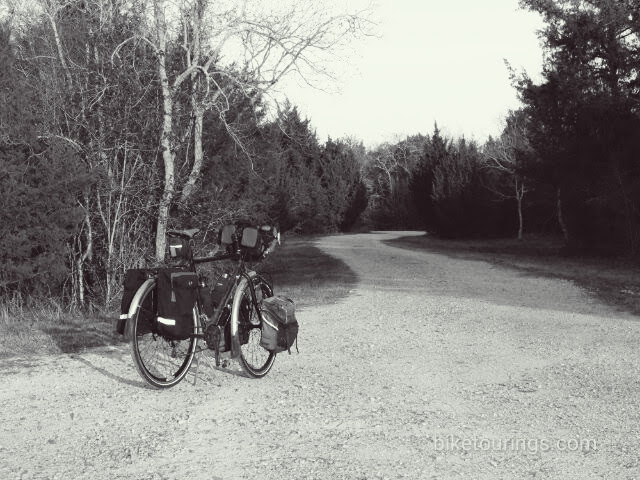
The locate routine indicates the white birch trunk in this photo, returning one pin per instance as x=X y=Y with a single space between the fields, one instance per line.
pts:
x=165 y=134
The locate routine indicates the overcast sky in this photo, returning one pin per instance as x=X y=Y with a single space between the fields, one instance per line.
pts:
x=435 y=60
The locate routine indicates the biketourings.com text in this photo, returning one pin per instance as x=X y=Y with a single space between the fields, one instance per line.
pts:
x=454 y=443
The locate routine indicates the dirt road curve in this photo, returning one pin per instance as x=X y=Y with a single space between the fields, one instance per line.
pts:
x=432 y=368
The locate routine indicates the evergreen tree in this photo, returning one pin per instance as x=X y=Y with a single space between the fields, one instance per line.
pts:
x=39 y=184
x=300 y=202
x=342 y=184
x=584 y=123
x=436 y=152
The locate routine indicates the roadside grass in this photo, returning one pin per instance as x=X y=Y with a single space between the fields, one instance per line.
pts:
x=613 y=280
x=298 y=269
x=45 y=327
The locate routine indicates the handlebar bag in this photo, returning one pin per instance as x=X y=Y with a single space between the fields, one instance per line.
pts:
x=225 y=236
x=133 y=279
x=251 y=242
x=177 y=297
x=279 y=324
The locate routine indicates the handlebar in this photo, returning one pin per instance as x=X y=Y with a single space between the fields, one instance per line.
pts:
x=212 y=258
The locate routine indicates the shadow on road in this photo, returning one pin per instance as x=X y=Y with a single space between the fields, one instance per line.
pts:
x=113 y=376
x=308 y=275
x=73 y=338
x=613 y=282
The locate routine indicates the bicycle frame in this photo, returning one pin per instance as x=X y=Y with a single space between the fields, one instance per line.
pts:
x=243 y=277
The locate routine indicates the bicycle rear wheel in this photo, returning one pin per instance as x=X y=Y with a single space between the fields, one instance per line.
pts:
x=162 y=363
x=255 y=360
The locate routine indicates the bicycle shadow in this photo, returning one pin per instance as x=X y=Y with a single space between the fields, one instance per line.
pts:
x=207 y=360
x=113 y=376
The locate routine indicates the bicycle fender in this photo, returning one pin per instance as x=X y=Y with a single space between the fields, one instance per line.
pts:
x=135 y=304
x=235 y=314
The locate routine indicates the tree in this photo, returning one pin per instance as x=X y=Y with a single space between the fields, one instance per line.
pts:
x=447 y=187
x=388 y=174
x=436 y=151
x=107 y=115
x=459 y=204
x=299 y=201
x=263 y=45
x=38 y=187
x=584 y=119
x=506 y=155
x=341 y=181
x=39 y=215
x=93 y=75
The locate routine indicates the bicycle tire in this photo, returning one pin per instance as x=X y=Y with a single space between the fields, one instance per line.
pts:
x=161 y=362
x=254 y=359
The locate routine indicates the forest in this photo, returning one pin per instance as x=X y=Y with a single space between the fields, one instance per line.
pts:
x=122 y=119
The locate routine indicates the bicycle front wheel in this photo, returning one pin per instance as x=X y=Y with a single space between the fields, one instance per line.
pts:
x=162 y=363
x=255 y=360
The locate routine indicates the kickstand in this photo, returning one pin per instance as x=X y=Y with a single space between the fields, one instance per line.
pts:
x=208 y=360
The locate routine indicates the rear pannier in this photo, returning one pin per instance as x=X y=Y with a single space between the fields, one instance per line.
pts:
x=177 y=297
x=133 y=279
x=279 y=324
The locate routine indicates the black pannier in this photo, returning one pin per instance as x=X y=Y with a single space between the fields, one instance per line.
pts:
x=133 y=279
x=177 y=296
x=279 y=324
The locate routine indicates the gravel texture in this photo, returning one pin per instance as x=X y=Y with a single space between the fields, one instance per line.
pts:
x=432 y=367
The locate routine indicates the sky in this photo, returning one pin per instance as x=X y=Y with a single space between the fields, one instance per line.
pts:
x=432 y=61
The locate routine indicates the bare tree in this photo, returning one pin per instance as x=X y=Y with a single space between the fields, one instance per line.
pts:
x=502 y=155
x=232 y=46
x=388 y=176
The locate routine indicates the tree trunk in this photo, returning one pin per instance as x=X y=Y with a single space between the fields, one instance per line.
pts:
x=197 y=108
x=190 y=184
x=59 y=48
x=165 y=135
x=80 y=281
x=519 y=197
x=81 y=254
x=563 y=226
x=520 y=219
x=169 y=182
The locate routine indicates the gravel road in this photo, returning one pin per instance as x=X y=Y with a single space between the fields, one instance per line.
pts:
x=432 y=367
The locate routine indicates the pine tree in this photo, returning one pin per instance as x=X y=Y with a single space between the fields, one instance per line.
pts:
x=38 y=187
